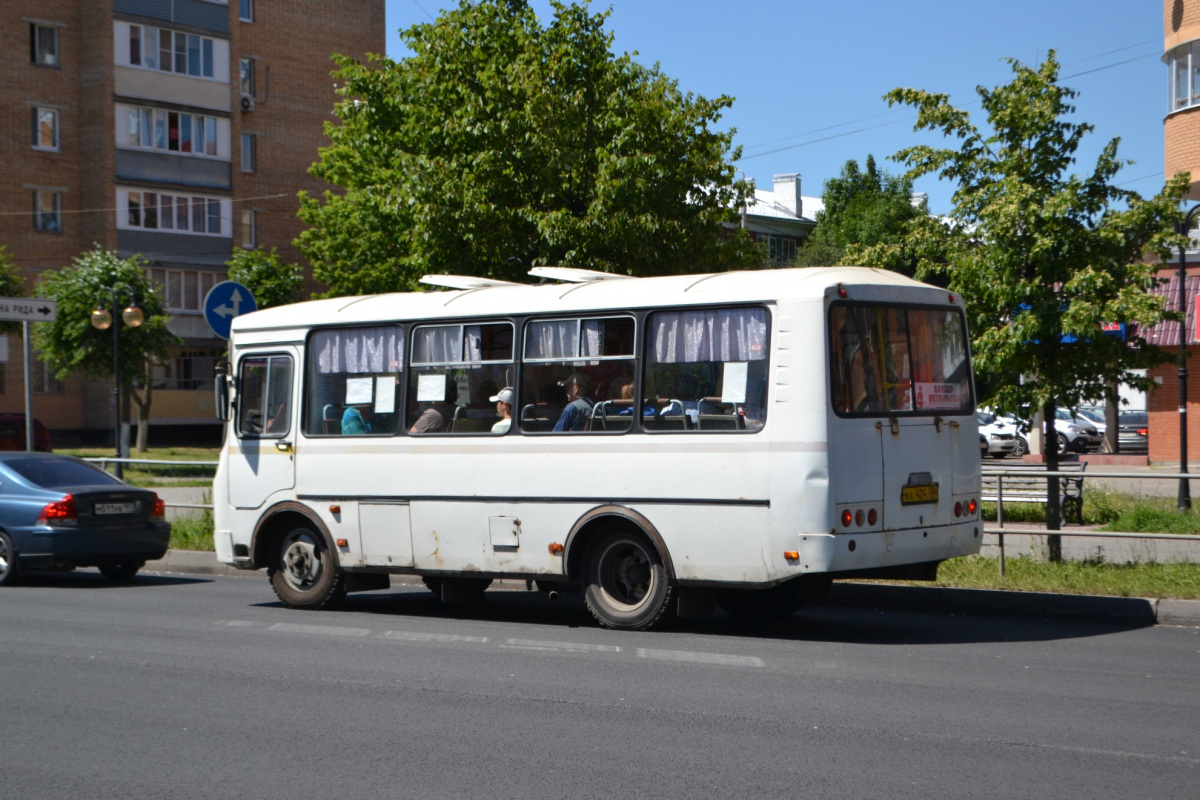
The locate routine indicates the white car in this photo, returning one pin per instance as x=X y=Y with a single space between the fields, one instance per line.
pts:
x=1001 y=434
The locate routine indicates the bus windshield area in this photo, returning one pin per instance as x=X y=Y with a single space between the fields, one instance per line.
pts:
x=889 y=360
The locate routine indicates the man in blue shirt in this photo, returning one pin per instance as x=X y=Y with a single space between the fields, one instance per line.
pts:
x=579 y=406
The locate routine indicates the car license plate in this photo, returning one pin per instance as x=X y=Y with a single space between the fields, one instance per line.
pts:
x=913 y=495
x=115 y=508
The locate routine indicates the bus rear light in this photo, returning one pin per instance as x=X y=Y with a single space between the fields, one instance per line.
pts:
x=872 y=517
x=958 y=509
x=60 y=512
x=972 y=506
x=555 y=548
x=791 y=555
x=847 y=518
x=859 y=516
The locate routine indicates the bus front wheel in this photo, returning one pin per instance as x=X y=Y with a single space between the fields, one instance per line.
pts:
x=305 y=573
x=625 y=582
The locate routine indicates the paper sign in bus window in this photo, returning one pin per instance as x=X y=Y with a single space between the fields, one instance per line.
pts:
x=358 y=391
x=431 y=388
x=939 y=395
x=385 y=394
x=733 y=382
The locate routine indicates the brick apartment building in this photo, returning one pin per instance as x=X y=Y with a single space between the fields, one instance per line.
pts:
x=174 y=129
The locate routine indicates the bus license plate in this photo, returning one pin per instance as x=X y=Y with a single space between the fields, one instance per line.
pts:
x=115 y=508
x=912 y=495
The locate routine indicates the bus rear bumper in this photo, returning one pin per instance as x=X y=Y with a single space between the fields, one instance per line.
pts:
x=867 y=551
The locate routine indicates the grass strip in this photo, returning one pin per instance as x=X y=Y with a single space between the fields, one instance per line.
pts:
x=1175 y=580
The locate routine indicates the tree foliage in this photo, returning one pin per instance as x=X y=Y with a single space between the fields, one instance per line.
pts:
x=272 y=282
x=501 y=143
x=71 y=344
x=12 y=284
x=863 y=208
x=1043 y=257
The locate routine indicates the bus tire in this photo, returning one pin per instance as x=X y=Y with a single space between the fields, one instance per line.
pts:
x=775 y=602
x=304 y=573
x=625 y=581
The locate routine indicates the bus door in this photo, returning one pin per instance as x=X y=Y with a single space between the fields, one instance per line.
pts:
x=262 y=455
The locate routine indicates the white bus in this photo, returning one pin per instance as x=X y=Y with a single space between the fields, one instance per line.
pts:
x=738 y=438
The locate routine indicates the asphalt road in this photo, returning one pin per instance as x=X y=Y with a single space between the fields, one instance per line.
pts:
x=207 y=688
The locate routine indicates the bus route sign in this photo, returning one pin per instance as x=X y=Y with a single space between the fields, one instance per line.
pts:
x=28 y=309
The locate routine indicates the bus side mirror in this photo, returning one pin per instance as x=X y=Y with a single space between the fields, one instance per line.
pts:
x=221 y=390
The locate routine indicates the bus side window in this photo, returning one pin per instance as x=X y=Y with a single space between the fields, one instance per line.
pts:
x=265 y=396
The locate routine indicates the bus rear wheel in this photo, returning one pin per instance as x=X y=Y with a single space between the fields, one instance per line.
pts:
x=625 y=582
x=305 y=574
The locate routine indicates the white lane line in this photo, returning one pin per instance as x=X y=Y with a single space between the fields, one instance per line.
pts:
x=412 y=636
x=700 y=658
x=237 y=623
x=329 y=630
x=573 y=647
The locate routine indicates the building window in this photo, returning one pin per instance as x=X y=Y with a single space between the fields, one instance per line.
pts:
x=249 y=153
x=182 y=289
x=47 y=211
x=45 y=128
x=249 y=235
x=43 y=45
x=781 y=250
x=1183 y=76
x=187 y=370
x=43 y=379
x=156 y=129
x=171 y=51
x=170 y=212
x=246 y=10
x=246 y=77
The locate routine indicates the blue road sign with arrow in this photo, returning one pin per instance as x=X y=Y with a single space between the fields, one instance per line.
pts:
x=225 y=301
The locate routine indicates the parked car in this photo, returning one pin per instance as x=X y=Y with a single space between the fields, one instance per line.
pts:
x=59 y=512
x=1075 y=434
x=12 y=434
x=1133 y=432
x=1000 y=434
x=1096 y=417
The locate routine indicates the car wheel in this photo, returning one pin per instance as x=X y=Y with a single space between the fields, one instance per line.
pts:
x=10 y=569
x=1063 y=445
x=305 y=574
x=121 y=572
x=1022 y=448
x=625 y=581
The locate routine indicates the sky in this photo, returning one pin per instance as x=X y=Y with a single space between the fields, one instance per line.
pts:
x=808 y=77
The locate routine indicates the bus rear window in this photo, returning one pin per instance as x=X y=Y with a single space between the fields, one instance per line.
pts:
x=888 y=360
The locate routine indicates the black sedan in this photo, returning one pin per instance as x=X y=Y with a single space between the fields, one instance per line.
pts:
x=58 y=513
x=1133 y=432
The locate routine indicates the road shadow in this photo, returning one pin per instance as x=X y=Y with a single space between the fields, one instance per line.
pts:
x=93 y=580
x=815 y=623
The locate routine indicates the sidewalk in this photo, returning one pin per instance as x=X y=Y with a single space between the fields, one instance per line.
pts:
x=1149 y=611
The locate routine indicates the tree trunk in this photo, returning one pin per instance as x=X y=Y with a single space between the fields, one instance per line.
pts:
x=1112 y=433
x=1053 y=499
x=143 y=404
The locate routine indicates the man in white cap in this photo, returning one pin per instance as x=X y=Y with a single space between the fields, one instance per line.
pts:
x=504 y=403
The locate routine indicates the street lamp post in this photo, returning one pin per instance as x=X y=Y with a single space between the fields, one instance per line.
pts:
x=1184 y=501
x=102 y=319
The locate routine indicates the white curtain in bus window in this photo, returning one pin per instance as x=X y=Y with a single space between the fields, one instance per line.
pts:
x=556 y=339
x=353 y=380
x=706 y=370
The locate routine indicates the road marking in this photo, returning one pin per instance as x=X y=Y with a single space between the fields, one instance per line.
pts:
x=412 y=636
x=293 y=627
x=237 y=623
x=573 y=647
x=700 y=658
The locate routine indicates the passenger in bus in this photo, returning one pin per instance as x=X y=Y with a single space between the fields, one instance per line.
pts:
x=353 y=421
x=437 y=418
x=504 y=403
x=627 y=394
x=579 y=406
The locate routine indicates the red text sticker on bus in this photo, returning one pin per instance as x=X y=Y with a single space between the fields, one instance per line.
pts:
x=939 y=395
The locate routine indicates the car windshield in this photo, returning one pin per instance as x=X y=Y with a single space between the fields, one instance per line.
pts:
x=1092 y=415
x=60 y=473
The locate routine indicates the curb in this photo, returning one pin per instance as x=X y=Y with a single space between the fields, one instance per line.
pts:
x=1143 y=610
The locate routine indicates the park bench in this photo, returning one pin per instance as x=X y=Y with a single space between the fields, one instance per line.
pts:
x=1027 y=483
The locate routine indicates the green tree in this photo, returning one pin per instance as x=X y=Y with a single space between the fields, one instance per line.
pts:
x=1042 y=257
x=272 y=282
x=12 y=284
x=501 y=144
x=71 y=344
x=862 y=209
